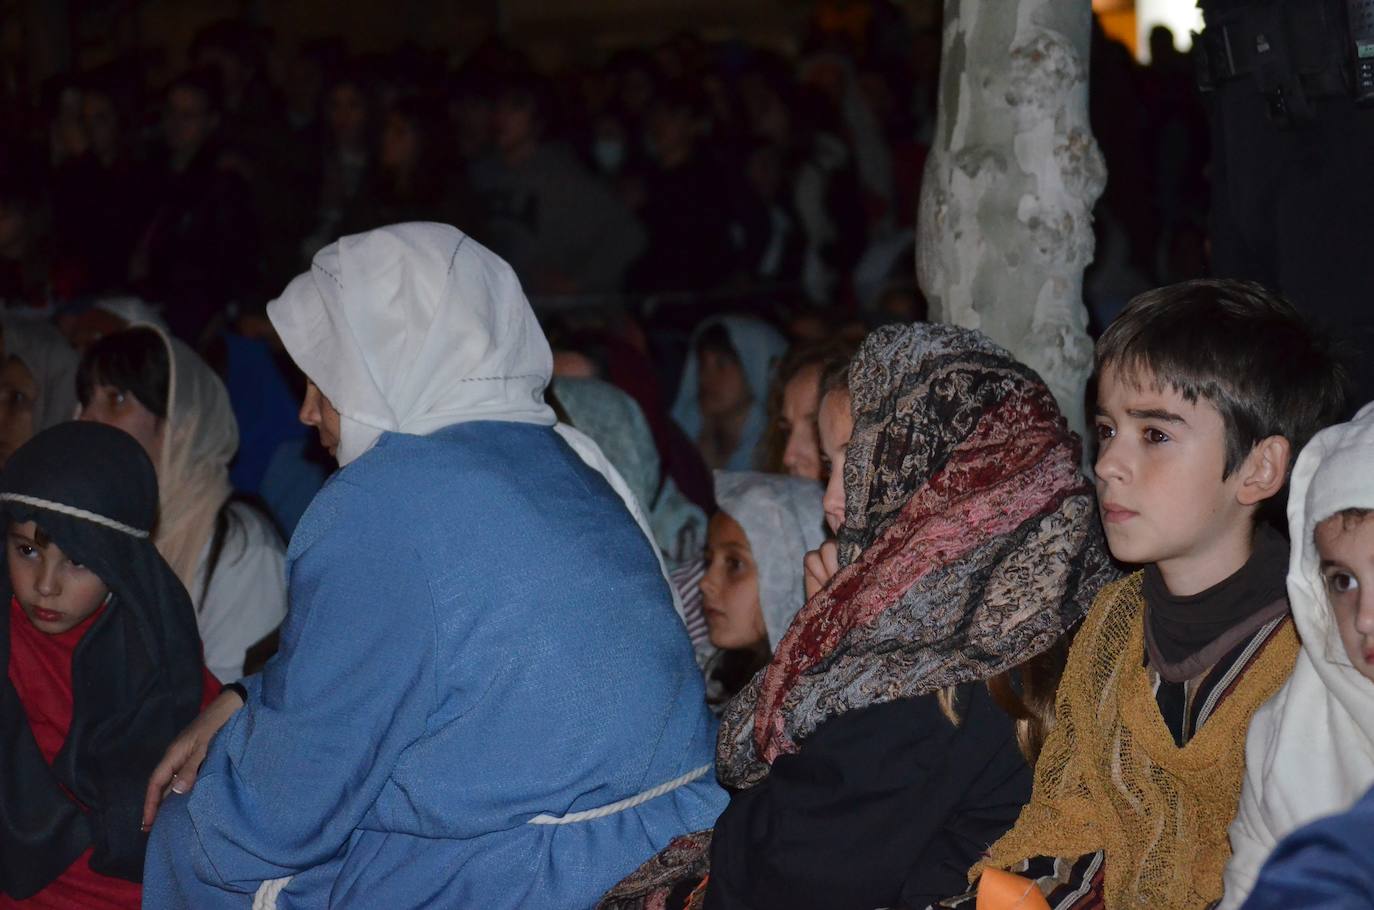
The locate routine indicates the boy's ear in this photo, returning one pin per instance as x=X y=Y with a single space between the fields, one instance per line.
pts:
x=1264 y=471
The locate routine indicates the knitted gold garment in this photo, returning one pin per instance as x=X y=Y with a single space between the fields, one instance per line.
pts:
x=1111 y=777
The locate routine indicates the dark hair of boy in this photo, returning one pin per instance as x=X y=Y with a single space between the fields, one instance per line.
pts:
x=1238 y=346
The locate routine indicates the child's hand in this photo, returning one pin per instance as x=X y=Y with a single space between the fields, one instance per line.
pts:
x=820 y=565
x=176 y=773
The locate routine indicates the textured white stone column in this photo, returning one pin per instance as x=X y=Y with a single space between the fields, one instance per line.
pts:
x=1004 y=227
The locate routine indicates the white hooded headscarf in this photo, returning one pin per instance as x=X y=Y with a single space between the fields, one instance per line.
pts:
x=412 y=328
x=783 y=519
x=1310 y=749
x=52 y=362
x=200 y=439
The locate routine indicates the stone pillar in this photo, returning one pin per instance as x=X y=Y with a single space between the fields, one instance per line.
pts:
x=1004 y=227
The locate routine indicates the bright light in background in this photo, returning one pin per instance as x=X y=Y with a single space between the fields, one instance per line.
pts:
x=1181 y=16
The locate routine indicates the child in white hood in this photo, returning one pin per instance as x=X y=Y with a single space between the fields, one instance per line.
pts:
x=1310 y=749
x=753 y=584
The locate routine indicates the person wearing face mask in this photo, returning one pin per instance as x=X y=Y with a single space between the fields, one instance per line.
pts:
x=609 y=145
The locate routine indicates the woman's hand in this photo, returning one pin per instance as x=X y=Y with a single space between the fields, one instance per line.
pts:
x=176 y=773
x=820 y=565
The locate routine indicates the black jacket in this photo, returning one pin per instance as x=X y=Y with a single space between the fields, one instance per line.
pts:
x=882 y=807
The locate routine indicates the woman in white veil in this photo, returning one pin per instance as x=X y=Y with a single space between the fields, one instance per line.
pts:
x=462 y=593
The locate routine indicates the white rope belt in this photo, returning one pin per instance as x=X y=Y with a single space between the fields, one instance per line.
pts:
x=638 y=799
x=269 y=891
x=75 y=512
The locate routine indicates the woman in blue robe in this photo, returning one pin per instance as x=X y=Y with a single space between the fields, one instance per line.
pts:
x=483 y=697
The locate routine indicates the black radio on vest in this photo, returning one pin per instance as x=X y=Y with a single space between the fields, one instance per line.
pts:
x=1289 y=90
x=1361 y=14
x=1294 y=51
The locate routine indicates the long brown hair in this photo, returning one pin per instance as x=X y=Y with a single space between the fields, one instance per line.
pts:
x=1033 y=706
x=829 y=354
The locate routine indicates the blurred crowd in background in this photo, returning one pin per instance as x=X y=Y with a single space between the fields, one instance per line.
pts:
x=710 y=175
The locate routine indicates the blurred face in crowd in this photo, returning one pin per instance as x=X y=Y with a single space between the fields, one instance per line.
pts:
x=67 y=134
x=471 y=116
x=828 y=76
x=301 y=88
x=596 y=88
x=18 y=394
x=55 y=593
x=836 y=425
x=120 y=408
x=188 y=122
x=400 y=144
x=346 y=113
x=234 y=71
x=765 y=111
x=102 y=125
x=801 y=457
x=671 y=134
x=318 y=411
x=514 y=124
x=764 y=170
x=636 y=90
x=14 y=229
x=1346 y=548
x=609 y=146
x=721 y=387
x=730 y=587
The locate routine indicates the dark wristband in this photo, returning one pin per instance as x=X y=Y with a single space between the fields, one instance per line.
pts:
x=238 y=689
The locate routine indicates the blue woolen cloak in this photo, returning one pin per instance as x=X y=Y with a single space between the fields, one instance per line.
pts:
x=478 y=634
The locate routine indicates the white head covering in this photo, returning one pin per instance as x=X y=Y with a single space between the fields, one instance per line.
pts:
x=614 y=420
x=412 y=328
x=200 y=440
x=760 y=347
x=1310 y=750
x=51 y=360
x=133 y=310
x=783 y=519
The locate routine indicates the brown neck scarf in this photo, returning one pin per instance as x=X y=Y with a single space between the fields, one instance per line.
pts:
x=971 y=543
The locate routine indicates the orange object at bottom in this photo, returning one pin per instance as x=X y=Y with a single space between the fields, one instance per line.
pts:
x=998 y=890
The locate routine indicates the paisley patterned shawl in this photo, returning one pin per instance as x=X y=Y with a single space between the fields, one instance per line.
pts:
x=971 y=543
